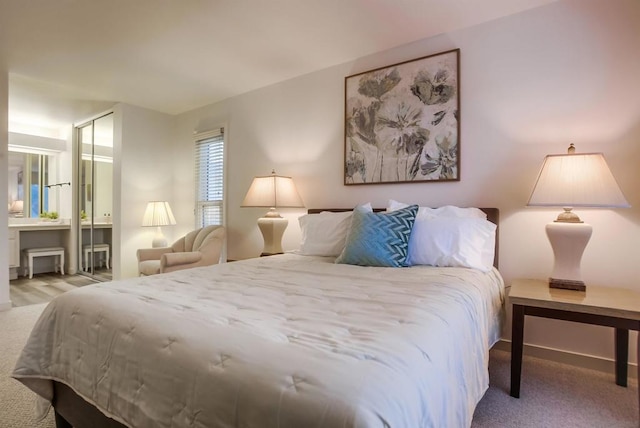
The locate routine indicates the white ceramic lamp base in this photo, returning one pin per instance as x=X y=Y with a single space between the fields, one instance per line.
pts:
x=568 y=241
x=272 y=229
x=159 y=240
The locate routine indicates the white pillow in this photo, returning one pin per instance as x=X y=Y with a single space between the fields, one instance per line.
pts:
x=324 y=234
x=447 y=210
x=453 y=241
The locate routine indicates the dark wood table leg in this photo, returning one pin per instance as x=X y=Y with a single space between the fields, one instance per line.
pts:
x=517 y=337
x=622 y=356
x=61 y=422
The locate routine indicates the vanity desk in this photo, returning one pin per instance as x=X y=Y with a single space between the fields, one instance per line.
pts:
x=32 y=234
x=35 y=235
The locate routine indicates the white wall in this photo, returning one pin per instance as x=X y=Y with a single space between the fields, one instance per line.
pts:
x=142 y=172
x=531 y=83
x=65 y=169
x=104 y=185
x=5 y=302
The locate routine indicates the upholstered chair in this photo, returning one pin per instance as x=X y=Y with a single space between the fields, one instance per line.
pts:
x=201 y=247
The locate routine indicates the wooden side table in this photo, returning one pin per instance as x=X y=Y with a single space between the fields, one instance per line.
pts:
x=607 y=306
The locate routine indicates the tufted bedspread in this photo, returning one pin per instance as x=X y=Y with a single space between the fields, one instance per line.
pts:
x=282 y=341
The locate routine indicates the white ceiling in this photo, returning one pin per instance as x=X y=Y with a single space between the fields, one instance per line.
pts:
x=69 y=58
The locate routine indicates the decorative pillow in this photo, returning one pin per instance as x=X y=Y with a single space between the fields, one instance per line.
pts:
x=324 y=234
x=453 y=241
x=447 y=211
x=379 y=239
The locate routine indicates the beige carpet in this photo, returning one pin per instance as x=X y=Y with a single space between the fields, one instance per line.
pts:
x=555 y=395
x=16 y=401
x=552 y=394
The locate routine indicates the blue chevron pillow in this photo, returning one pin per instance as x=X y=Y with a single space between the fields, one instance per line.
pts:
x=379 y=239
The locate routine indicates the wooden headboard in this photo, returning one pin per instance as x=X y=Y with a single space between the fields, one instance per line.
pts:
x=493 y=215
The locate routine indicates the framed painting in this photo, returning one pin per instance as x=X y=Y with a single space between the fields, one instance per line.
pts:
x=402 y=122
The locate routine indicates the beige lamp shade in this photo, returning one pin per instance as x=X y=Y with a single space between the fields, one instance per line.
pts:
x=272 y=191
x=158 y=213
x=17 y=206
x=577 y=180
x=573 y=180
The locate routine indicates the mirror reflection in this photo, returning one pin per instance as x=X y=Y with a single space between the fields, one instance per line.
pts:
x=95 y=196
x=29 y=176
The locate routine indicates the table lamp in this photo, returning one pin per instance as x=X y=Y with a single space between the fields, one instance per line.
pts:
x=272 y=191
x=158 y=214
x=17 y=207
x=573 y=180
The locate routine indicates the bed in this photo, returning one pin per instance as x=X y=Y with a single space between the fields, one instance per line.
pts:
x=282 y=341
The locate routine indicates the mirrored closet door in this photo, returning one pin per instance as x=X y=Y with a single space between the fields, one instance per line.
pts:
x=95 y=197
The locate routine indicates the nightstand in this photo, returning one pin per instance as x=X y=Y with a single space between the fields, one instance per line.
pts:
x=607 y=306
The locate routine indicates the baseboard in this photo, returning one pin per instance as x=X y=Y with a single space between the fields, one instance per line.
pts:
x=5 y=306
x=566 y=357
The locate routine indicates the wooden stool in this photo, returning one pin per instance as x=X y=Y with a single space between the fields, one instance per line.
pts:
x=30 y=253
x=97 y=248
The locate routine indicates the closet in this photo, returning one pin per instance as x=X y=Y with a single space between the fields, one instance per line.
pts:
x=94 y=197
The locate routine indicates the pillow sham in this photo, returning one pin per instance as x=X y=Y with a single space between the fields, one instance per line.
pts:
x=324 y=234
x=453 y=241
x=446 y=211
x=379 y=239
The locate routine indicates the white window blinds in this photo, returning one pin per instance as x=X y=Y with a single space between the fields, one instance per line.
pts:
x=210 y=178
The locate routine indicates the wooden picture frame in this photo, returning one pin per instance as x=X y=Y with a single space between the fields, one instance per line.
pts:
x=402 y=122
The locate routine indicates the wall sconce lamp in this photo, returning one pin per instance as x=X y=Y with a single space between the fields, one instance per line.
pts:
x=573 y=180
x=272 y=191
x=158 y=214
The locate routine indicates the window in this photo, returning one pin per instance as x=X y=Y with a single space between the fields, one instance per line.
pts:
x=210 y=178
x=29 y=176
x=39 y=167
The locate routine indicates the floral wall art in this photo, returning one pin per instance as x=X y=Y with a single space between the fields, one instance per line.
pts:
x=402 y=122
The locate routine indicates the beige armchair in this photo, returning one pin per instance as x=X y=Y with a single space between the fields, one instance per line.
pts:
x=201 y=247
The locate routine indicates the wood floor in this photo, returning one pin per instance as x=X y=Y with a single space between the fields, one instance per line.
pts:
x=44 y=287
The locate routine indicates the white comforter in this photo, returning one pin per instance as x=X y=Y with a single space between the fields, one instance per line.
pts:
x=282 y=341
